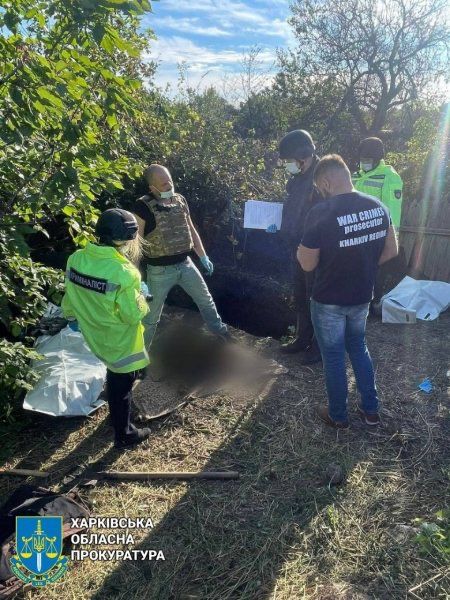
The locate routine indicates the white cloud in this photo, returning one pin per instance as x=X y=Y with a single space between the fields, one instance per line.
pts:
x=275 y=28
x=193 y=26
x=176 y=49
x=205 y=66
x=227 y=31
x=233 y=16
x=190 y=6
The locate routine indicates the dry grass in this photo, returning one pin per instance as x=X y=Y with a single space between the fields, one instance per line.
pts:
x=280 y=532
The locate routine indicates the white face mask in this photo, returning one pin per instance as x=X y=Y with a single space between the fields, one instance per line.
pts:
x=167 y=195
x=292 y=168
x=366 y=166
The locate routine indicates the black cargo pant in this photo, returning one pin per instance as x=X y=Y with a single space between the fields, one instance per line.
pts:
x=119 y=392
x=390 y=274
x=302 y=283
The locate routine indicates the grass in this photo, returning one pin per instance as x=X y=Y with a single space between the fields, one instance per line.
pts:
x=281 y=531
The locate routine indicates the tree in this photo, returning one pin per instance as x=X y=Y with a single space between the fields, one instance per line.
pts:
x=69 y=73
x=377 y=56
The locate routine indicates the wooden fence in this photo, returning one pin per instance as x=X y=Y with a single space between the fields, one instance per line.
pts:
x=426 y=240
x=425 y=226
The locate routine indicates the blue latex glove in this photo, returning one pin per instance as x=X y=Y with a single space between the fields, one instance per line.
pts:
x=207 y=264
x=74 y=325
x=146 y=292
x=272 y=228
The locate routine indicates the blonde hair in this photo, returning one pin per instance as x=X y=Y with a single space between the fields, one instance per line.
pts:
x=132 y=249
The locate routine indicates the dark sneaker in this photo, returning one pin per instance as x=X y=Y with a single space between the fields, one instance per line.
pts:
x=134 y=438
x=312 y=355
x=297 y=345
x=324 y=416
x=372 y=420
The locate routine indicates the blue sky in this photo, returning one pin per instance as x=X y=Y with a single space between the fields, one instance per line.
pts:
x=211 y=36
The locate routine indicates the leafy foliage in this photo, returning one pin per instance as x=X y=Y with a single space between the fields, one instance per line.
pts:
x=434 y=538
x=195 y=136
x=25 y=287
x=412 y=161
x=16 y=375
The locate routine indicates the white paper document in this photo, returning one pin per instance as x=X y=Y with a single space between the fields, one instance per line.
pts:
x=259 y=214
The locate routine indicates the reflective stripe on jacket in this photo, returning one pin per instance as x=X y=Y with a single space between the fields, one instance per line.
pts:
x=103 y=292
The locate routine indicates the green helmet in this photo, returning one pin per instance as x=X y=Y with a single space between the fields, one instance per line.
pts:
x=296 y=144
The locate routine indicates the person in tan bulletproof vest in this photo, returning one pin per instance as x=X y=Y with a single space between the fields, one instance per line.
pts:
x=170 y=236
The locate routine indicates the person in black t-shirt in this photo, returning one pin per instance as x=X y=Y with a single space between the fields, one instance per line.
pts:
x=346 y=238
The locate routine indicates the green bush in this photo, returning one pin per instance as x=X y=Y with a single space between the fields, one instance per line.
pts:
x=16 y=376
x=25 y=288
x=434 y=538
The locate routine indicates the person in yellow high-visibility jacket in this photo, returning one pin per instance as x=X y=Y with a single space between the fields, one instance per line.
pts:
x=378 y=179
x=105 y=294
x=382 y=181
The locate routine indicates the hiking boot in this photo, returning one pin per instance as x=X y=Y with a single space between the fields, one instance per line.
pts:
x=372 y=420
x=323 y=414
x=299 y=344
x=312 y=354
x=138 y=436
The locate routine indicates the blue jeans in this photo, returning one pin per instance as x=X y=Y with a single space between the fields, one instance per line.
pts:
x=339 y=329
x=161 y=280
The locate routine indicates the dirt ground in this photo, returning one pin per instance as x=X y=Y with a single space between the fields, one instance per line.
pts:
x=282 y=531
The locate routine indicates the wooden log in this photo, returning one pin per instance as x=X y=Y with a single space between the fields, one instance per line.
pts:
x=24 y=473
x=138 y=475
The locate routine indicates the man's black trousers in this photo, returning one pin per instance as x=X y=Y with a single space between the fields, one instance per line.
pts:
x=119 y=392
x=303 y=283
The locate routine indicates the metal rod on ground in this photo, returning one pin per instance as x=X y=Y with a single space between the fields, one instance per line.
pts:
x=127 y=475
x=24 y=473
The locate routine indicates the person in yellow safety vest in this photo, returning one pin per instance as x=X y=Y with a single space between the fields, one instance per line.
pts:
x=378 y=179
x=382 y=181
x=105 y=294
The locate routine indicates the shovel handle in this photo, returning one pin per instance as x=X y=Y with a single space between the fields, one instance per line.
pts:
x=24 y=473
x=127 y=475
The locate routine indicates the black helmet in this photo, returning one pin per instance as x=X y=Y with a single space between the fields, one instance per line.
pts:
x=296 y=144
x=371 y=147
x=116 y=225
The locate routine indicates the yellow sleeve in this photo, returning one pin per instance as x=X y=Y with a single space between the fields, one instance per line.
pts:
x=393 y=197
x=131 y=304
x=67 y=307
